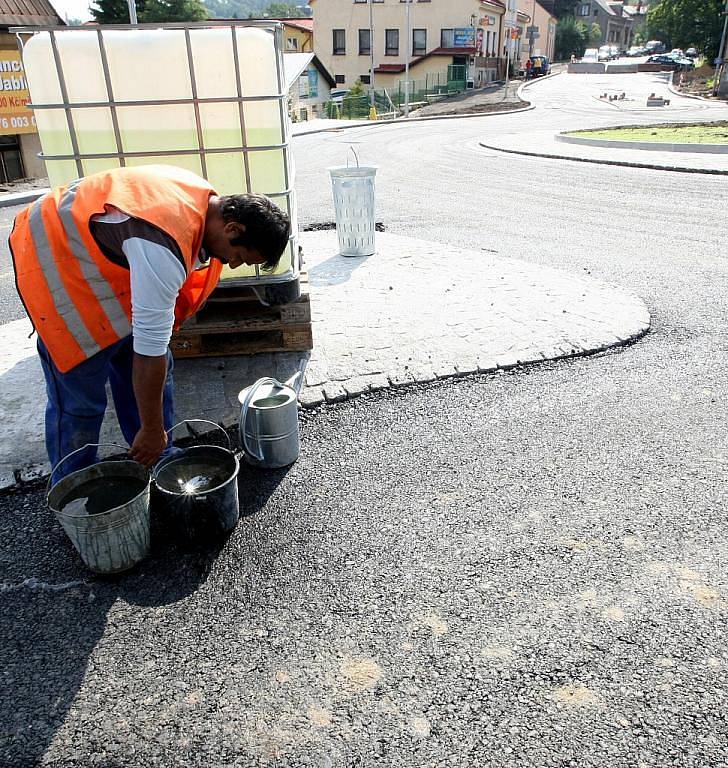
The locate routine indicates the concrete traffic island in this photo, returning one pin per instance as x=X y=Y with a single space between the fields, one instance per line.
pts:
x=548 y=145
x=416 y=311
x=590 y=137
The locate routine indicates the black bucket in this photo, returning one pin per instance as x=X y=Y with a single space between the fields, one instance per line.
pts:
x=196 y=492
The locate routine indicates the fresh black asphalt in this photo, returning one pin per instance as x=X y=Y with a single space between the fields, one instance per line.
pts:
x=525 y=569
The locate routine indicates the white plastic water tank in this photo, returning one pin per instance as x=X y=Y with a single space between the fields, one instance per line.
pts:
x=152 y=65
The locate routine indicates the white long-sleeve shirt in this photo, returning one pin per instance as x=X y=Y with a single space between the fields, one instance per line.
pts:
x=156 y=273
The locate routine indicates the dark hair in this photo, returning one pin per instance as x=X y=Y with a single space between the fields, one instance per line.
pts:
x=267 y=227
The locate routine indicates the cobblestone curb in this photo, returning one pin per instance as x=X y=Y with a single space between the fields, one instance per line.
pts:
x=414 y=312
x=420 y=319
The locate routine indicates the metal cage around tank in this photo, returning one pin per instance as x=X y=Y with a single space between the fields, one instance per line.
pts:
x=60 y=113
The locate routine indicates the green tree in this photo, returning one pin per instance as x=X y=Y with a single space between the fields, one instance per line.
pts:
x=113 y=11
x=117 y=11
x=564 y=8
x=571 y=37
x=686 y=23
x=173 y=10
x=235 y=9
x=595 y=34
x=283 y=11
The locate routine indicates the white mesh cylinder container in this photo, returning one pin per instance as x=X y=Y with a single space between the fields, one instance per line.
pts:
x=353 y=190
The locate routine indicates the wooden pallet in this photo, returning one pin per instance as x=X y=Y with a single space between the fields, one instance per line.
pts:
x=234 y=322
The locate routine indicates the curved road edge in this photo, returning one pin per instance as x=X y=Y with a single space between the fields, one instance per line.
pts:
x=598 y=161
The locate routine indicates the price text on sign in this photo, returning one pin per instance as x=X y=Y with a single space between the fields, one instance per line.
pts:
x=15 y=117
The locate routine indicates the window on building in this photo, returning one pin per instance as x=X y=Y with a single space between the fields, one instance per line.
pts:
x=313 y=79
x=291 y=43
x=11 y=163
x=365 y=42
x=339 y=79
x=360 y=1
x=365 y=79
x=447 y=38
x=419 y=41
x=391 y=42
x=596 y=12
x=339 y=42
x=583 y=9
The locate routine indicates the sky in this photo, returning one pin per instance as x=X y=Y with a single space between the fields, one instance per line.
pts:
x=73 y=9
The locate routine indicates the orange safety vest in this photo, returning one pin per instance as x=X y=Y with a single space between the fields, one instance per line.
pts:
x=77 y=299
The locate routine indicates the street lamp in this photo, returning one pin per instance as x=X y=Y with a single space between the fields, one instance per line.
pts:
x=408 y=35
x=721 y=50
x=372 y=101
x=511 y=15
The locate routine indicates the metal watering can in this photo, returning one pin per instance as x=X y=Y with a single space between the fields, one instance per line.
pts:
x=269 y=421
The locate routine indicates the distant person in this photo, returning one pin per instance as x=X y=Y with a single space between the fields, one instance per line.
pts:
x=573 y=58
x=529 y=68
x=106 y=266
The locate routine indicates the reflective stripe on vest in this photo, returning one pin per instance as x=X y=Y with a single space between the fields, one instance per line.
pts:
x=96 y=281
x=62 y=301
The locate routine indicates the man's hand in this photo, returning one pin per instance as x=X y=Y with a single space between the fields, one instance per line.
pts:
x=148 y=445
x=148 y=376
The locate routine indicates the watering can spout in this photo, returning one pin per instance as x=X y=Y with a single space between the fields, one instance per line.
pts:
x=295 y=382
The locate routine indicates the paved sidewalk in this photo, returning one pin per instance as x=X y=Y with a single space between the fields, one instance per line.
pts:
x=416 y=311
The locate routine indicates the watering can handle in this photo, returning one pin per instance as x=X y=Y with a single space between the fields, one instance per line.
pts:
x=244 y=412
x=68 y=456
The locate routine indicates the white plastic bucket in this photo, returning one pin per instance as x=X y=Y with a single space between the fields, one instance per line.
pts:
x=353 y=190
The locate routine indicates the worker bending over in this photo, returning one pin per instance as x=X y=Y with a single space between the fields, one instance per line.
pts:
x=106 y=267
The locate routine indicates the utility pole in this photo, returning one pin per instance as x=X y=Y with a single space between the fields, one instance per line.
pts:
x=532 y=31
x=721 y=50
x=132 y=11
x=509 y=42
x=408 y=35
x=371 y=54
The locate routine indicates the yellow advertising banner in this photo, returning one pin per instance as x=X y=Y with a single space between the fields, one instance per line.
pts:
x=15 y=117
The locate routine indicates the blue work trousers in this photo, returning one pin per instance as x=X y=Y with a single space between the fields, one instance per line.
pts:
x=77 y=403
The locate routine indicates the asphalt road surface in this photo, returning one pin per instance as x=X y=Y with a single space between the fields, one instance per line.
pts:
x=526 y=569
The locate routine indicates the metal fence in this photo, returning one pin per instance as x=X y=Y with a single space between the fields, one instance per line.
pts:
x=390 y=103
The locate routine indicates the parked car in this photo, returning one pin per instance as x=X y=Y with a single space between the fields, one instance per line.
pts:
x=681 y=59
x=540 y=66
x=636 y=50
x=591 y=56
x=670 y=61
x=691 y=53
x=605 y=53
x=655 y=46
x=614 y=50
